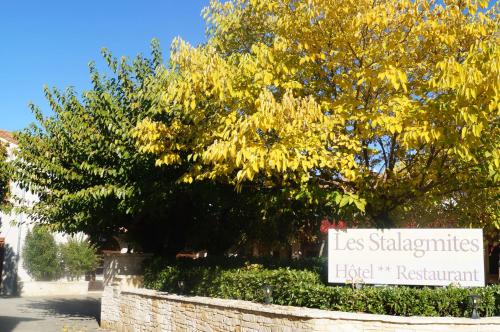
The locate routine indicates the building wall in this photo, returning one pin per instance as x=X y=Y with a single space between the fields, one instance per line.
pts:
x=131 y=309
x=13 y=227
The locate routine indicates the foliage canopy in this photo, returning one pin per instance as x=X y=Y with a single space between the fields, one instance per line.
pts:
x=82 y=163
x=375 y=103
x=375 y=111
x=88 y=174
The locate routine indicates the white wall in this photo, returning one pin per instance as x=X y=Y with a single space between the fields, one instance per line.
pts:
x=13 y=227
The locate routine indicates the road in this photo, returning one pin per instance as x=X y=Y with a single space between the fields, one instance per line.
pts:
x=50 y=314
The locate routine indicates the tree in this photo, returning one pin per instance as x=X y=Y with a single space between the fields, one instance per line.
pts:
x=83 y=164
x=79 y=257
x=40 y=255
x=368 y=105
x=89 y=176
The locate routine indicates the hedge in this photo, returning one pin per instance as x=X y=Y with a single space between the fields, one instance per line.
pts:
x=304 y=287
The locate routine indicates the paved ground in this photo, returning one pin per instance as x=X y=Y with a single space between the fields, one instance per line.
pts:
x=50 y=314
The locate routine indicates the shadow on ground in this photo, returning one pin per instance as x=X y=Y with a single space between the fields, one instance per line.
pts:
x=8 y=323
x=89 y=308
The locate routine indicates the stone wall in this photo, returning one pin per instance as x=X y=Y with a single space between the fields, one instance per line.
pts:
x=127 y=309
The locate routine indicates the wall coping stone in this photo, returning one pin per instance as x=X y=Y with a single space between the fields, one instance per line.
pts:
x=310 y=313
x=125 y=254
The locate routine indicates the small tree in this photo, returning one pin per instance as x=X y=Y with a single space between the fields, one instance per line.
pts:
x=40 y=255
x=79 y=257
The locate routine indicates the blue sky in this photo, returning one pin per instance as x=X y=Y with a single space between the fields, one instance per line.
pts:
x=51 y=43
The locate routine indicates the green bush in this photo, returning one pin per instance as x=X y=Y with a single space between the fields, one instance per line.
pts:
x=303 y=286
x=78 y=257
x=41 y=256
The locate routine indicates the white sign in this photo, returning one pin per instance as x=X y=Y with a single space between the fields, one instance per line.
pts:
x=434 y=257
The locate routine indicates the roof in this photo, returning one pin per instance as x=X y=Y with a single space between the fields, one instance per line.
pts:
x=7 y=136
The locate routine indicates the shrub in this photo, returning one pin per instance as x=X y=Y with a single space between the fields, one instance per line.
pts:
x=79 y=257
x=303 y=286
x=40 y=255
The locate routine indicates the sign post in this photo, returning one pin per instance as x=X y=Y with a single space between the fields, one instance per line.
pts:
x=432 y=257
